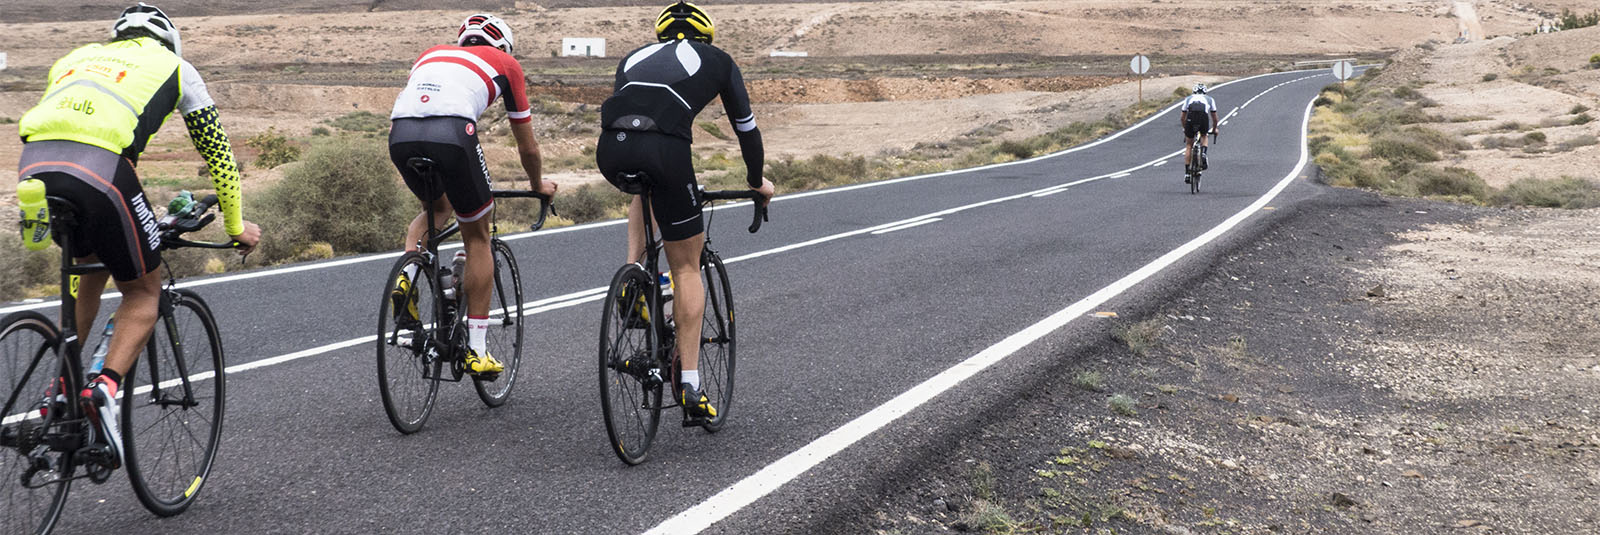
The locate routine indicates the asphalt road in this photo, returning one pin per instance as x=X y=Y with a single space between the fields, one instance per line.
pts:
x=835 y=319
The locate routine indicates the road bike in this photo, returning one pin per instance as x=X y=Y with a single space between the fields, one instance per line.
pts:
x=637 y=338
x=171 y=412
x=415 y=355
x=1191 y=166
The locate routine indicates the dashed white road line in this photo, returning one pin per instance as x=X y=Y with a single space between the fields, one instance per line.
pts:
x=791 y=466
x=908 y=225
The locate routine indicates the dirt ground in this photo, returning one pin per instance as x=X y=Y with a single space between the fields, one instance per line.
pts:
x=1367 y=365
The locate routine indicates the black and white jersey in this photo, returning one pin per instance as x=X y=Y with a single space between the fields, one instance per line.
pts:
x=1199 y=102
x=663 y=86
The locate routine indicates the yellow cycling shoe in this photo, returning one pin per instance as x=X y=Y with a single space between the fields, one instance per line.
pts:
x=696 y=406
x=404 y=301
x=484 y=366
x=638 y=314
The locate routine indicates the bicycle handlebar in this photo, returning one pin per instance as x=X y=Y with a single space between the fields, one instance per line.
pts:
x=195 y=218
x=546 y=207
x=760 y=214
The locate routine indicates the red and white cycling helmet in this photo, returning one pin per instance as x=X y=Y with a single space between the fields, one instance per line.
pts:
x=490 y=28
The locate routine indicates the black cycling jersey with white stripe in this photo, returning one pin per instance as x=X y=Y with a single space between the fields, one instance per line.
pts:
x=663 y=86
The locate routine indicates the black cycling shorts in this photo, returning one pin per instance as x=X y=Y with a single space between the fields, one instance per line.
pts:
x=674 y=194
x=460 y=172
x=114 y=220
x=1196 y=123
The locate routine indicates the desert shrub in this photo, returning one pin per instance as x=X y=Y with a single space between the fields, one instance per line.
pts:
x=1508 y=126
x=26 y=271
x=1577 y=109
x=273 y=148
x=1594 y=61
x=361 y=121
x=1407 y=92
x=1435 y=139
x=1396 y=148
x=1503 y=142
x=713 y=129
x=1490 y=77
x=1580 y=141
x=816 y=172
x=1534 y=138
x=7 y=120
x=1015 y=149
x=320 y=131
x=1564 y=192
x=1570 y=19
x=1582 y=118
x=347 y=194
x=1447 y=182
x=1322 y=101
x=593 y=201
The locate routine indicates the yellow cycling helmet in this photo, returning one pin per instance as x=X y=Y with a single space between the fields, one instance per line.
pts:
x=684 y=20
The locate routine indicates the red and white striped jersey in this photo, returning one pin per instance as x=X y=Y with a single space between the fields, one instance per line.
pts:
x=462 y=81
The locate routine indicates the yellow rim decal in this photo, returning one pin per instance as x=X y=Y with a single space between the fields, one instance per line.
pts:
x=193 y=487
x=72 y=286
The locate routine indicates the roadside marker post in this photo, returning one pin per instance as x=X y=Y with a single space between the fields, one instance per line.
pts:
x=2 y=61
x=1140 y=65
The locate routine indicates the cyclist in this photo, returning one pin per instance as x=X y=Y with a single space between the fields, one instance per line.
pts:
x=1197 y=114
x=435 y=117
x=102 y=104
x=647 y=124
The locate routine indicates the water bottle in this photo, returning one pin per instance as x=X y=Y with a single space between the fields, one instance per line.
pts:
x=99 y=360
x=666 y=296
x=35 y=214
x=451 y=278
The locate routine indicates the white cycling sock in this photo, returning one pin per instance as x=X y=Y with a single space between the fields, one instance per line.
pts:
x=411 y=271
x=691 y=378
x=477 y=330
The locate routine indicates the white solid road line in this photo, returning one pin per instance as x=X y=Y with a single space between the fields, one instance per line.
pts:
x=907 y=225
x=768 y=479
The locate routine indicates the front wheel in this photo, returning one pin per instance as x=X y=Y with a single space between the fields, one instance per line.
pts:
x=717 y=341
x=172 y=415
x=409 y=324
x=630 y=375
x=31 y=374
x=504 y=338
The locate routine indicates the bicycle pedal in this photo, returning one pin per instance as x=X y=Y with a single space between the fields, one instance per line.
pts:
x=695 y=422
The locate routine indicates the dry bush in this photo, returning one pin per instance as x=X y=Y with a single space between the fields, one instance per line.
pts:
x=346 y=193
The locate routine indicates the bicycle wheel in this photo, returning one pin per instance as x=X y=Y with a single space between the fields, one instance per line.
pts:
x=409 y=363
x=630 y=380
x=172 y=414
x=30 y=366
x=717 y=342
x=505 y=326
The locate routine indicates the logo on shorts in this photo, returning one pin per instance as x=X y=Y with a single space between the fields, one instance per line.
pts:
x=426 y=98
x=471 y=129
x=622 y=136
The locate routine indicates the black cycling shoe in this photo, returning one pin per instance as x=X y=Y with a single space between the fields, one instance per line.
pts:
x=1203 y=165
x=697 y=409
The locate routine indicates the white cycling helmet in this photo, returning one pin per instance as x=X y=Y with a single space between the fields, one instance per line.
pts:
x=488 y=27
x=1200 y=89
x=150 y=18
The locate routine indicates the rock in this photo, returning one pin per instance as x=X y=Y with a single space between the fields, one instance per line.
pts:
x=1230 y=464
x=1230 y=398
x=1413 y=474
x=1340 y=499
x=1467 y=523
x=939 y=503
x=1376 y=291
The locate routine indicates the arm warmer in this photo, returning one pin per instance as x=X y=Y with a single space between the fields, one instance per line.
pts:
x=750 y=148
x=205 y=130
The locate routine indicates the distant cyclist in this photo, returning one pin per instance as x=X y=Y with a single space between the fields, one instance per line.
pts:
x=102 y=103
x=647 y=125
x=435 y=117
x=1198 y=115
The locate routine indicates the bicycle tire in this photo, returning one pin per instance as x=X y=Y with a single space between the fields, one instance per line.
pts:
x=409 y=366
x=717 y=340
x=505 y=337
x=629 y=403
x=27 y=341
x=184 y=394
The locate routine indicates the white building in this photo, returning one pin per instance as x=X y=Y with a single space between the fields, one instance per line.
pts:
x=594 y=47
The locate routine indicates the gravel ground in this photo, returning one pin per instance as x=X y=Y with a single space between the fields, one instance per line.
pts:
x=1366 y=365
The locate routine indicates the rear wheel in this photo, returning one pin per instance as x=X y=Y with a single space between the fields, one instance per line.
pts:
x=504 y=339
x=31 y=373
x=172 y=415
x=409 y=363
x=630 y=374
x=717 y=342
